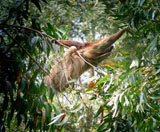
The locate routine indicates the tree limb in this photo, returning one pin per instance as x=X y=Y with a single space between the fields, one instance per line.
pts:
x=34 y=30
x=26 y=52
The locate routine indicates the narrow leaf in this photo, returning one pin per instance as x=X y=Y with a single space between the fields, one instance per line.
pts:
x=36 y=2
x=77 y=108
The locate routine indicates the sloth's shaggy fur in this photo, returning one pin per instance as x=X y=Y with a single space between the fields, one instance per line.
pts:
x=71 y=66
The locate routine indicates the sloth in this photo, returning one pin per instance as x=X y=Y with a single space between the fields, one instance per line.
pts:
x=79 y=58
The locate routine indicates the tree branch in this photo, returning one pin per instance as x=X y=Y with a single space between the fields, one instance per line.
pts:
x=34 y=30
x=52 y=39
x=26 y=52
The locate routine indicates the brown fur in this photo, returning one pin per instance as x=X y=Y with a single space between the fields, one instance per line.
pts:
x=71 y=66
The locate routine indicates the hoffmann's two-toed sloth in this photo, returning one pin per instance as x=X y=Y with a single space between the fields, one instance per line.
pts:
x=72 y=65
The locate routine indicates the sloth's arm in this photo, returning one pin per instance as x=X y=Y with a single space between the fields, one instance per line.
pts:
x=69 y=43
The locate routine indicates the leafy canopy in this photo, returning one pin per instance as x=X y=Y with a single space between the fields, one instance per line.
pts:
x=126 y=98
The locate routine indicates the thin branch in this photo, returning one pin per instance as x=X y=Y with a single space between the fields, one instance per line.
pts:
x=57 y=42
x=86 y=104
x=41 y=33
x=67 y=98
x=60 y=103
x=26 y=52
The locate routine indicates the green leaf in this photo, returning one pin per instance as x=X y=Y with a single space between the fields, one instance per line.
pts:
x=126 y=101
x=77 y=108
x=36 y=2
x=109 y=85
x=144 y=28
x=55 y=107
x=52 y=31
x=42 y=89
x=115 y=108
x=134 y=63
x=99 y=111
x=93 y=98
x=153 y=14
x=141 y=98
x=45 y=1
x=48 y=111
x=35 y=52
x=133 y=79
x=102 y=80
x=121 y=98
x=51 y=94
x=124 y=111
x=103 y=127
x=155 y=97
x=66 y=33
x=44 y=45
x=152 y=46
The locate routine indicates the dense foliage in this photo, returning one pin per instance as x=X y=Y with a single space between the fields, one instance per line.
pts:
x=26 y=103
x=125 y=98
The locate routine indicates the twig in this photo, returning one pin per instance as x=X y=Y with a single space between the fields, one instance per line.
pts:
x=85 y=104
x=67 y=98
x=26 y=52
x=59 y=102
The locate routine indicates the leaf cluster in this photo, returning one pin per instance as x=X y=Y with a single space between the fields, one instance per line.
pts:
x=25 y=102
